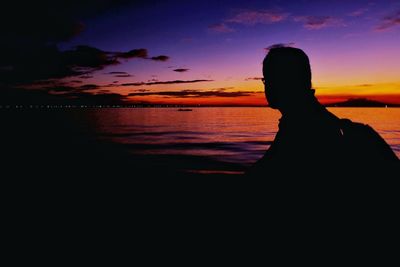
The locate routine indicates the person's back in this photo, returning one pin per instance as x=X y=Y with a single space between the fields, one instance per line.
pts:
x=310 y=140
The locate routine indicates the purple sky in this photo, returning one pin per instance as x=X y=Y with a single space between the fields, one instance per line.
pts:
x=220 y=45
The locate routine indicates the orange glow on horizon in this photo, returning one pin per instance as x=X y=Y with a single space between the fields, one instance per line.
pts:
x=383 y=92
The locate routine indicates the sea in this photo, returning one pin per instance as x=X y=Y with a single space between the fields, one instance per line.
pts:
x=211 y=140
x=203 y=141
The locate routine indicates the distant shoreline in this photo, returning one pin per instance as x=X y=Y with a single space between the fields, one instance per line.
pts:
x=349 y=103
x=159 y=106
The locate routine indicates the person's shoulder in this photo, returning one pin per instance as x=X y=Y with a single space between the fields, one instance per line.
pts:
x=364 y=141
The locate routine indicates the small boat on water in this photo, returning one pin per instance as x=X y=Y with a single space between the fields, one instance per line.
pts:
x=184 y=109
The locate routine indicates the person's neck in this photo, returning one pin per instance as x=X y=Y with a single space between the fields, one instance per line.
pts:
x=302 y=108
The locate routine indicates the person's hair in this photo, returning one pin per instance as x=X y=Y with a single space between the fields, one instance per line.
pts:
x=288 y=67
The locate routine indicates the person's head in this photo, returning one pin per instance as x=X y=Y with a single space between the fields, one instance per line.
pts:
x=287 y=77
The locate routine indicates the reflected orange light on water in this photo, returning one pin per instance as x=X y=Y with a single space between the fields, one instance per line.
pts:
x=238 y=135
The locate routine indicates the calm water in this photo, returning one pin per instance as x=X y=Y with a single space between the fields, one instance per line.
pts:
x=230 y=138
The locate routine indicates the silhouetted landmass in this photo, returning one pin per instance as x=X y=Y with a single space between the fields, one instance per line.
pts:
x=362 y=102
x=67 y=97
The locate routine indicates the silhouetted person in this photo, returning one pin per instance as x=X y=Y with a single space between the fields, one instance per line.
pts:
x=310 y=138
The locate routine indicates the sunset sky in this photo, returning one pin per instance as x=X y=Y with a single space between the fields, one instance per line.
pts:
x=196 y=52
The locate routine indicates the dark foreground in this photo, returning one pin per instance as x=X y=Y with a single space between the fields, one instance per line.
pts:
x=57 y=178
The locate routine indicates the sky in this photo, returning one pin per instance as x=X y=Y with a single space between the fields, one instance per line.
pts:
x=193 y=52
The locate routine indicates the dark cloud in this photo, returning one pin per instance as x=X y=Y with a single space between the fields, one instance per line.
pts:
x=59 y=95
x=279 y=45
x=195 y=93
x=59 y=89
x=139 y=53
x=181 y=70
x=318 y=22
x=32 y=32
x=160 y=58
x=165 y=82
x=89 y=87
x=88 y=58
x=40 y=21
x=123 y=75
x=115 y=81
x=71 y=89
x=116 y=72
x=133 y=84
x=223 y=88
x=86 y=76
x=51 y=63
x=76 y=81
x=120 y=74
x=388 y=22
x=135 y=53
x=44 y=83
x=220 y=28
x=253 y=79
x=48 y=62
x=141 y=90
x=32 y=64
x=11 y=96
x=96 y=99
x=45 y=21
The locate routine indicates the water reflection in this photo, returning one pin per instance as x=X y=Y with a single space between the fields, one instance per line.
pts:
x=229 y=135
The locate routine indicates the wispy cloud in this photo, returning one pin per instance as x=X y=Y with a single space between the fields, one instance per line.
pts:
x=254 y=17
x=318 y=22
x=220 y=28
x=165 y=82
x=251 y=17
x=358 y=12
x=253 y=79
x=361 y=10
x=388 y=22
